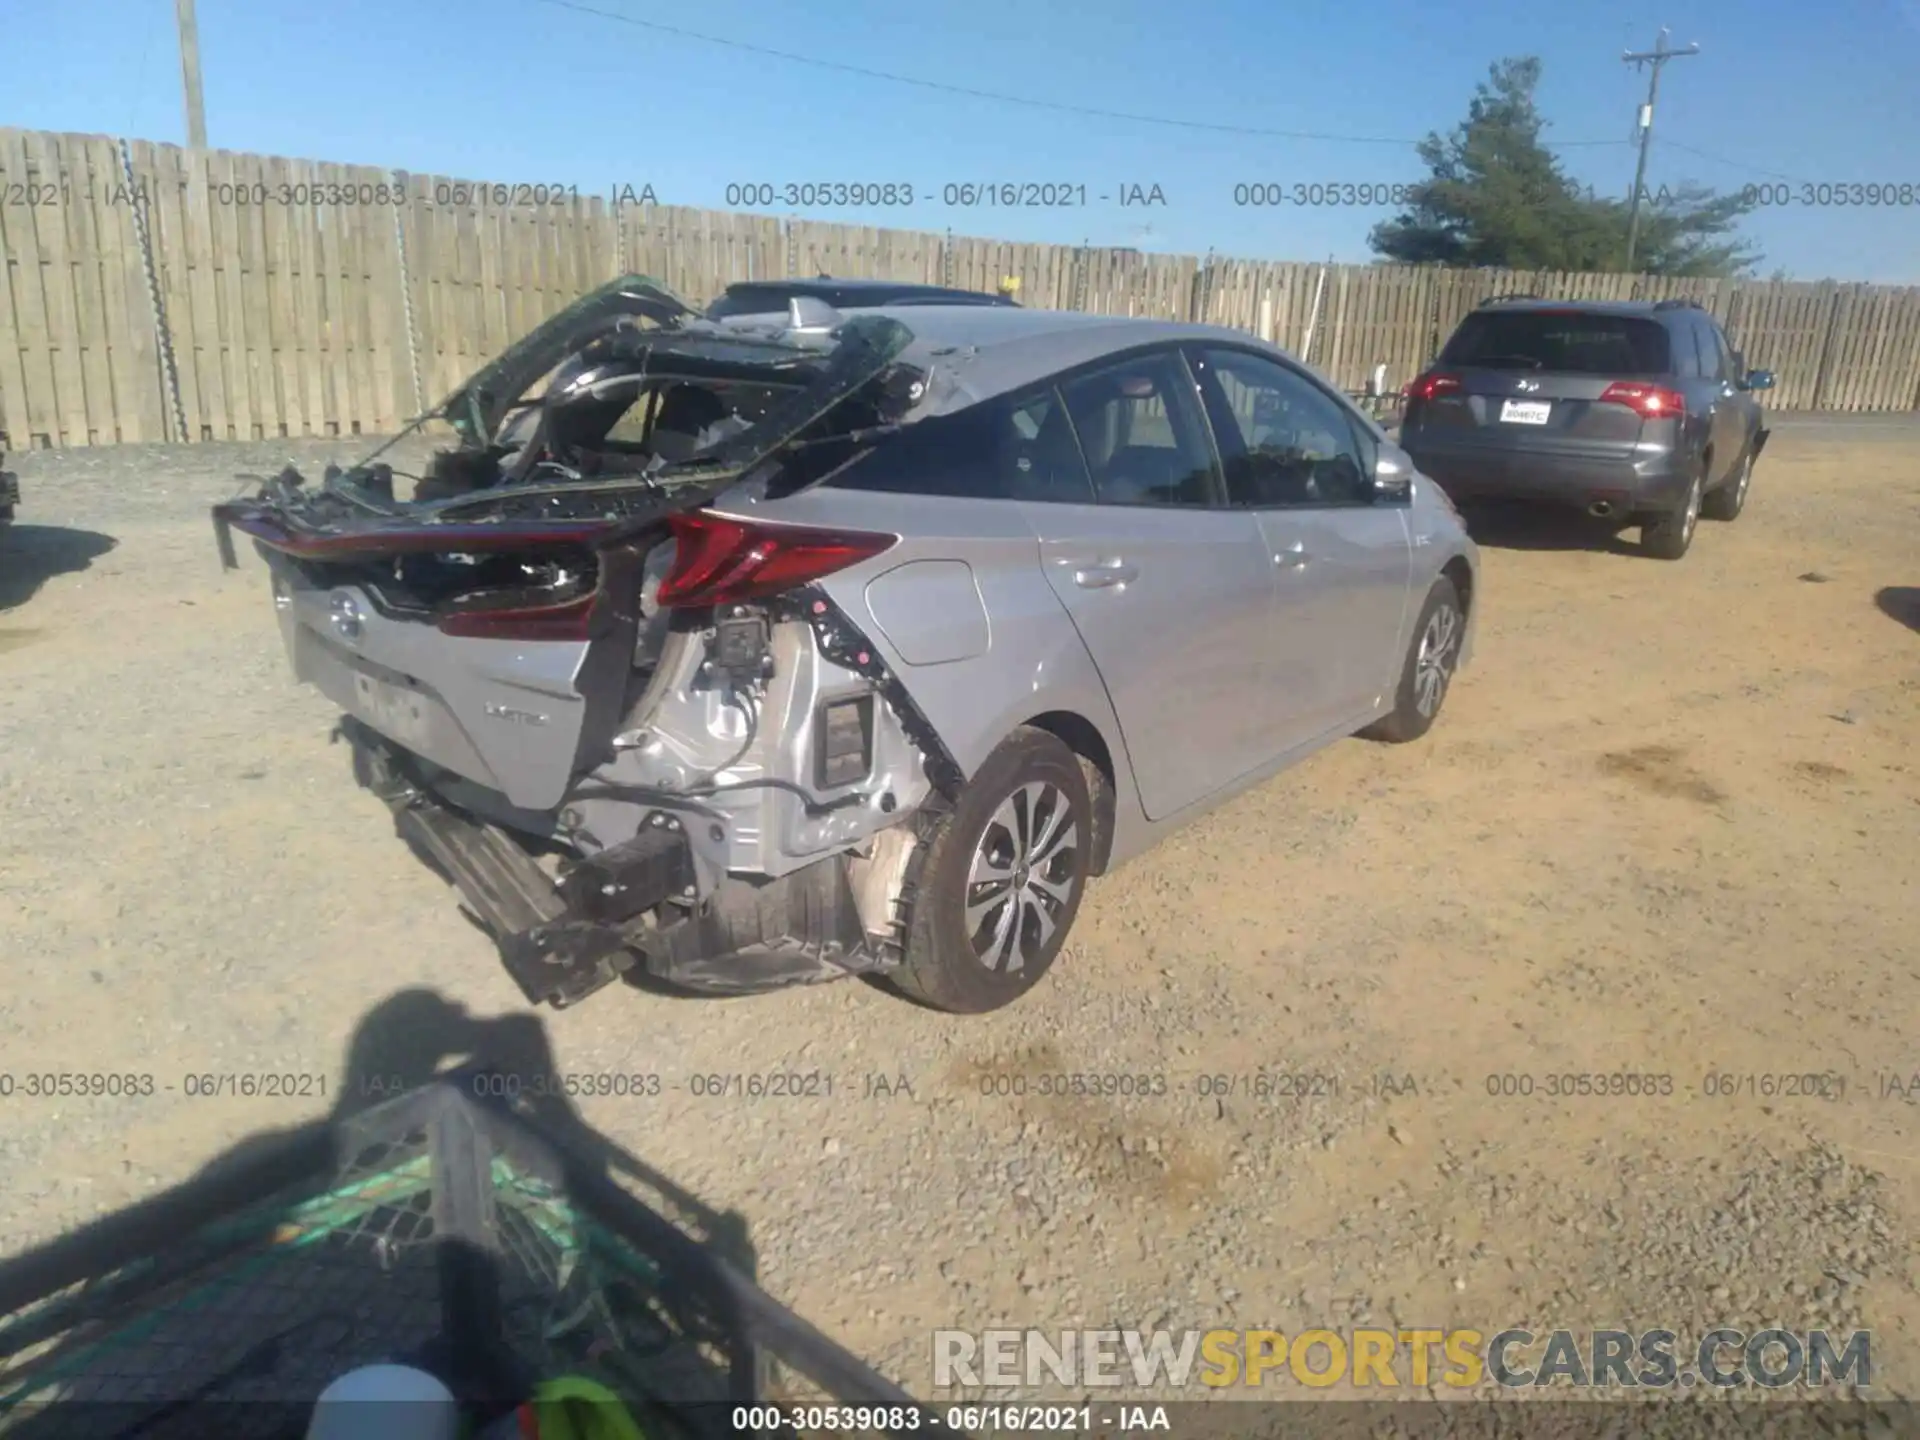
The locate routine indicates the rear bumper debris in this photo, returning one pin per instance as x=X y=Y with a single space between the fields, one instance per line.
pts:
x=632 y=907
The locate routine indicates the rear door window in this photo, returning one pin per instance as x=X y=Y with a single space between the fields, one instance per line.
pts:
x=1565 y=341
x=1692 y=352
x=1020 y=448
x=1143 y=433
x=1704 y=343
x=1722 y=368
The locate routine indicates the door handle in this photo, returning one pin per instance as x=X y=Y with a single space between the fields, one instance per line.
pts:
x=1293 y=557
x=1104 y=574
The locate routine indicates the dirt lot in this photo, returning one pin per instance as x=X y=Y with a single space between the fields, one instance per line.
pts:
x=1667 y=827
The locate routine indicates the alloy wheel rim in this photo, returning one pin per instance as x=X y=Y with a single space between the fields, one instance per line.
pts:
x=1740 y=486
x=1433 y=665
x=1022 y=876
x=1693 y=509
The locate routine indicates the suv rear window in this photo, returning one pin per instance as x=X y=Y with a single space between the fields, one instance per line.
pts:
x=1567 y=341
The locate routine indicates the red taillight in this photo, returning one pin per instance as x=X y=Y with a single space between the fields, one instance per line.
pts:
x=568 y=620
x=719 y=560
x=1650 y=402
x=1429 y=386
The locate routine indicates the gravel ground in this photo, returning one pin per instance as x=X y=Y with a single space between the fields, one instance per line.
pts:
x=1666 y=827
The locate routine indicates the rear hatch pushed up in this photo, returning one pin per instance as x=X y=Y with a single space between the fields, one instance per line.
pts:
x=496 y=630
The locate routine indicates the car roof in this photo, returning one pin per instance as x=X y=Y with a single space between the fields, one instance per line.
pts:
x=983 y=351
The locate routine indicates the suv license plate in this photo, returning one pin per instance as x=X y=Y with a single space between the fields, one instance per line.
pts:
x=1525 y=412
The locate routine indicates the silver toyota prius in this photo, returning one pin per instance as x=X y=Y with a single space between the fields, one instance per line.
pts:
x=738 y=653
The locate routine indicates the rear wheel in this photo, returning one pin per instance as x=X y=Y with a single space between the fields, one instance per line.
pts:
x=1431 y=659
x=1669 y=536
x=1730 y=499
x=1000 y=879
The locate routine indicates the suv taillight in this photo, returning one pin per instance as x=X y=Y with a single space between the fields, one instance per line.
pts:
x=719 y=560
x=1649 y=402
x=1435 y=384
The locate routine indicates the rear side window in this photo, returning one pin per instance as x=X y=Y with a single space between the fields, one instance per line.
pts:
x=1568 y=341
x=1143 y=433
x=1020 y=448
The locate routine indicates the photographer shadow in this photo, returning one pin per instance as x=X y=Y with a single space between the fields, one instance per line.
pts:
x=465 y=1220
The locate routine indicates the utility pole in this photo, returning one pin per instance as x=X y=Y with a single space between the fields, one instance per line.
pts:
x=1651 y=59
x=190 y=74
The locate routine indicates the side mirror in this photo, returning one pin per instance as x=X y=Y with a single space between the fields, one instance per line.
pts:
x=1758 y=380
x=1392 y=476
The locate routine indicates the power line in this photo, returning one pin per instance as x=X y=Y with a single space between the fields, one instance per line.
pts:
x=1001 y=97
x=140 y=74
x=1736 y=164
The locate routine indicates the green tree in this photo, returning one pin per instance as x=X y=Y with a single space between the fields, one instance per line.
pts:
x=1689 y=230
x=1496 y=195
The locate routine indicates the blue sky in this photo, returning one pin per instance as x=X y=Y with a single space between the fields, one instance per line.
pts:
x=541 y=90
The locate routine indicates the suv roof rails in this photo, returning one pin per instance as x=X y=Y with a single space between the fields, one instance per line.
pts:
x=1679 y=303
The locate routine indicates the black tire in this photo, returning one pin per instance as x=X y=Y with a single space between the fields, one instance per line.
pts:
x=1669 y=535
x=1730 y=499
x=940 y=965
x=1439 y=632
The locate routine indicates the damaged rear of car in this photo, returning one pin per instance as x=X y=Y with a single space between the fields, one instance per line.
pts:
x=632 y=729
x=760 y=650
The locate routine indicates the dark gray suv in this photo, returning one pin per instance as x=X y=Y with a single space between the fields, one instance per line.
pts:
x=1636 y=412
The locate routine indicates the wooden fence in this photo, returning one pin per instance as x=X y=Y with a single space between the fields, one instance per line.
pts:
x=152 y=293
